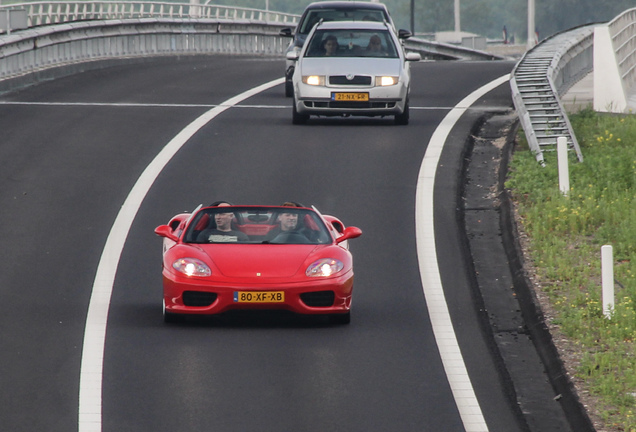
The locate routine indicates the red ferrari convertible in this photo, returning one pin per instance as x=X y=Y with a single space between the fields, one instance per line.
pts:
x=216 y=259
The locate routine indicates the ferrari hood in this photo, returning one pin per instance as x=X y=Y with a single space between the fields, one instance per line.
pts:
x=266 y=261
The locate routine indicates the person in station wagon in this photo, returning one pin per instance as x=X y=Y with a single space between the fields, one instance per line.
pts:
x=330 y=46
x=223 y=233
x=375 y=46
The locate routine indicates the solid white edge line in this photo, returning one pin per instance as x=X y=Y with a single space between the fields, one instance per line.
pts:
x=91 y=369
x=442 y=325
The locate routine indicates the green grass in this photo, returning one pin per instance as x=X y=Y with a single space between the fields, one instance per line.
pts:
x=566 y=235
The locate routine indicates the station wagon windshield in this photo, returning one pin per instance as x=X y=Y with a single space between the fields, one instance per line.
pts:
x=352 y=43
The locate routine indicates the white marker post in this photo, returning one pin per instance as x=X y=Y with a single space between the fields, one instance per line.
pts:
x=607 y=280
x=564 y=171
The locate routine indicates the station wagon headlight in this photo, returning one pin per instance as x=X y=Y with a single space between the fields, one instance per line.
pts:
x=192 y=267
x=315 y=80
x=382 y=81
x=324 y=267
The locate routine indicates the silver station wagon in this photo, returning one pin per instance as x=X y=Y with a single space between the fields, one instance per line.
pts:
x=352 y=68
x=328 y=11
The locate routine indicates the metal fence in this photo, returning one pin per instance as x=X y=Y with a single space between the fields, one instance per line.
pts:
x=48 y=52
x=65 y=37
x=539 y=80
x=46 y=13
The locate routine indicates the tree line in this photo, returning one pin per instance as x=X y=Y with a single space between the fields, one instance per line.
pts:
x=483 y=17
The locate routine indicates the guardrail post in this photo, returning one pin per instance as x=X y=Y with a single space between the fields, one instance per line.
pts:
x=607 y=280
x=564 y=170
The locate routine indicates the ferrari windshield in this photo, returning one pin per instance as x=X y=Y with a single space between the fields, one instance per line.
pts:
x=352 y=43
x=248 y=225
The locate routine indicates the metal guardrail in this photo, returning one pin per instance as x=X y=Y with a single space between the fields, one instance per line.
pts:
x=124 y=30
x=442 y=51
x=48 y=52
x=47 y=13
x=539 y=79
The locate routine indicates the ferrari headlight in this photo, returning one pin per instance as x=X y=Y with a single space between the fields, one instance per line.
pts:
x=382 y=81
x=192 y=267
x=324 y=267
x=315 y=80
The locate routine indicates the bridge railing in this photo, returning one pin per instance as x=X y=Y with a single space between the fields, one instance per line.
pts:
x=47 y=52
x=551 y=68
x=46 y=13
x=539 y=80
x=62 y=38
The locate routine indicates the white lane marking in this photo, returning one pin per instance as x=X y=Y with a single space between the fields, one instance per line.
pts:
x=91 y=369
x=173 y=105
x=139 y=105
x=445 y=336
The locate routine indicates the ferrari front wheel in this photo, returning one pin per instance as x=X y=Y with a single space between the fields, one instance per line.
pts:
x=171 y=318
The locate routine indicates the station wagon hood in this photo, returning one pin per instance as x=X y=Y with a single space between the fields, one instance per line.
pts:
x=254 y=260
x=354 y=66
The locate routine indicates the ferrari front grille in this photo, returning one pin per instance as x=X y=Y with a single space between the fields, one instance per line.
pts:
x=318 y=298
x=198 y=298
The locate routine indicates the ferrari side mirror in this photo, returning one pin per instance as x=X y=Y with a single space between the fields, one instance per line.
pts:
x=166 y=231
x=349 y=233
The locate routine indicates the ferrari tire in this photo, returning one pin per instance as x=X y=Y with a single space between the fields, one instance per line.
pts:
x=403 y=119
x=298 y=118
x=171 y=318
x=341 y=318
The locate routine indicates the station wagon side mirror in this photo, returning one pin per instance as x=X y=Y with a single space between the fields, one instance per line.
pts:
x=404 y=34
x=413 y=56
x=292 y=55
x=349 y=233
x=167 y=232
x=285 y=32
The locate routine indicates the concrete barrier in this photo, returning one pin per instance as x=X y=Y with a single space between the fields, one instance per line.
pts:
x=615 y=63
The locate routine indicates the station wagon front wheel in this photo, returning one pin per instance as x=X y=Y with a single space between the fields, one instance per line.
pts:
x=298 y=118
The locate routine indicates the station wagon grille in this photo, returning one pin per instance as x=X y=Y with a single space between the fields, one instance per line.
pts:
x=357 y=80
x=350 y=104
x=318 y=298
x=361 y=105
x=198 y=298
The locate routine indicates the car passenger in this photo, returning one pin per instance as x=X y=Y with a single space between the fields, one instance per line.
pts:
x=223 y=233
x=288 y=227
x=374 y=48
x=330 y=46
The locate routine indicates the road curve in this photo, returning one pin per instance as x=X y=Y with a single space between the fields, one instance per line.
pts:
x=72 y=151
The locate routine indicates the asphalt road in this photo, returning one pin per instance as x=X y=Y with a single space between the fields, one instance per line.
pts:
x=72 y=149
